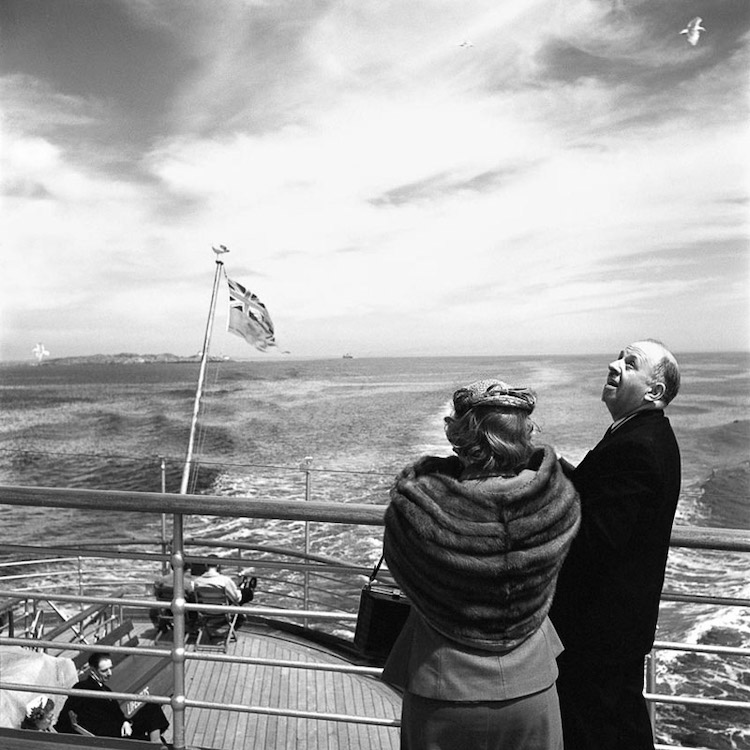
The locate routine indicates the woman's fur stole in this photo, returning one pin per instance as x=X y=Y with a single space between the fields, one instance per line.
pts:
x=479 y=558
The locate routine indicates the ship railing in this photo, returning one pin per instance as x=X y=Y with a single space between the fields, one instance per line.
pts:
x=357 y=514
x=289 y=577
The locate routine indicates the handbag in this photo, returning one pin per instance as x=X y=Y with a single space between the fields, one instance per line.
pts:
x=382 y=613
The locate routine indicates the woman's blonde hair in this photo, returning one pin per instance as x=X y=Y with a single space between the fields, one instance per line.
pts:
x=491 y=439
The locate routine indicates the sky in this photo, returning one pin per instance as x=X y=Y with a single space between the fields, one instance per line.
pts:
x=391 y=178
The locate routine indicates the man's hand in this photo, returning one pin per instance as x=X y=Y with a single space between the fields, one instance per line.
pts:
x=127 y=729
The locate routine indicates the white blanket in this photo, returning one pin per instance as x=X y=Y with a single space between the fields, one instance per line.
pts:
x=26 y=667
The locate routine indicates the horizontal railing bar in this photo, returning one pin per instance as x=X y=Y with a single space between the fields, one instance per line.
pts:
x=314 y=666
x=734 y=540
x=700 y=648
x=27 y=576
x=204 y=505
x=149 y=603
x=689 y=701
x=292 y=713
x=21 y=687
x=94 y=553
x=726 y=601
x=255 y=610
x=701 y=537
x=194 y=656
x=141 y=697
x=19 y=563
x=87 y=552
x=94 y=647
x=203 y=462
x=239 y=544
x=272 y=612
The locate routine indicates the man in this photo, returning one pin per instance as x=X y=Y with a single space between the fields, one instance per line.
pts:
x=167 y=580
x=104 y=717
x=162 y=617
x=607 y=601
x=94 y=716
x=214 y=577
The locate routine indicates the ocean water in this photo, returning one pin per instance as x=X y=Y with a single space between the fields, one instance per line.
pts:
x=358 y=421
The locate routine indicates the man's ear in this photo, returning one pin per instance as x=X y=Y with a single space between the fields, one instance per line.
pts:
x=655 y=392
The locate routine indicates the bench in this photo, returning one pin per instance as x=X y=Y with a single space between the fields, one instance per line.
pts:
x=143 y=675
x=25 y=739
x=119 y=636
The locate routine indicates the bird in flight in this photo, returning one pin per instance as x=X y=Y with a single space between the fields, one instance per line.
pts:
x=693 y=30
x=40 y=352
x=466 y=44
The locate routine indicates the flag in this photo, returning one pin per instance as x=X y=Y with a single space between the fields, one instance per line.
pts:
x=249 y=318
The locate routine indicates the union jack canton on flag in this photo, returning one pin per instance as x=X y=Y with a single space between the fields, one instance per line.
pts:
x=249 y=318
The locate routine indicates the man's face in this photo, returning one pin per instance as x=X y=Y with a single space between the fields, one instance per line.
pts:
x=104 y=671
x=630 y=377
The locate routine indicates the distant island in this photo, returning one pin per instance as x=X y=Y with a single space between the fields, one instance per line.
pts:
x=126 y=358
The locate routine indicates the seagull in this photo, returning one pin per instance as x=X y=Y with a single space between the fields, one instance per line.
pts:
x=40 y=352
x=220 y=250
x=693 y=30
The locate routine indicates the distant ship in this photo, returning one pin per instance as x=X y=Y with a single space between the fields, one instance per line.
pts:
x=348 y=356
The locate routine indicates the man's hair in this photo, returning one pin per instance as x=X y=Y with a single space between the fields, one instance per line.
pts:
x=491 y=439
x=666 y=371
x=97 y=658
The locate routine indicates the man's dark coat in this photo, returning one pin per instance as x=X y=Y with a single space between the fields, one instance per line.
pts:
x=607 y=599
x=102 y=717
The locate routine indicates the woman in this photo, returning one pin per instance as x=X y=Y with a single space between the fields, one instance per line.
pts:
x=39 y=715
x=476 y=542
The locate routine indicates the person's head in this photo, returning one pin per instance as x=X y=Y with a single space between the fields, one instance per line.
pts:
x=100 y=665
x=490 y=429
x=213 y=563
x=645 y=375
x=39 y=715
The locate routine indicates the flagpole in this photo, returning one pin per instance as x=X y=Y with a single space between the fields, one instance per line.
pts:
x=201 y=381
x=178 y=539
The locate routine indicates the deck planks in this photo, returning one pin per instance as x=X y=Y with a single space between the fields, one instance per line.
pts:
x=258 y=685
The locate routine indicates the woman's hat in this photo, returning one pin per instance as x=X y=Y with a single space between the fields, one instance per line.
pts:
x=493 y=393
x=40 y=706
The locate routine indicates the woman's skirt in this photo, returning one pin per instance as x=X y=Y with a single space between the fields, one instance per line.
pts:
x=531 y=722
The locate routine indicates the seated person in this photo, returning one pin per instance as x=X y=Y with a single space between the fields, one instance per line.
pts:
x=94 y=716
x=215 y=578
x=149 y=724
x=39 y=715
x=163 y=588
x=104 y=717
x=167 y=580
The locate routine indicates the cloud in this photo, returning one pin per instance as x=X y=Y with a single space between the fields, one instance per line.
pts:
x=375 y=180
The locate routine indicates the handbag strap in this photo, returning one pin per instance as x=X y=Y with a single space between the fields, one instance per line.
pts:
x=376 y=568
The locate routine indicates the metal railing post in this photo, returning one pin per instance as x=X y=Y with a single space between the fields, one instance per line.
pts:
x=651 y=687
x=80 y=579
x=178 y=642
x=164 y=540
x=307 y=465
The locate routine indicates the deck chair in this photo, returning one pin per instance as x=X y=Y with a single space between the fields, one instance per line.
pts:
x=215 y=629
x=162 y=616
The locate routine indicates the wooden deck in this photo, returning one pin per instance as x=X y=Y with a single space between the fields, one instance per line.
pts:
x=284 y=687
